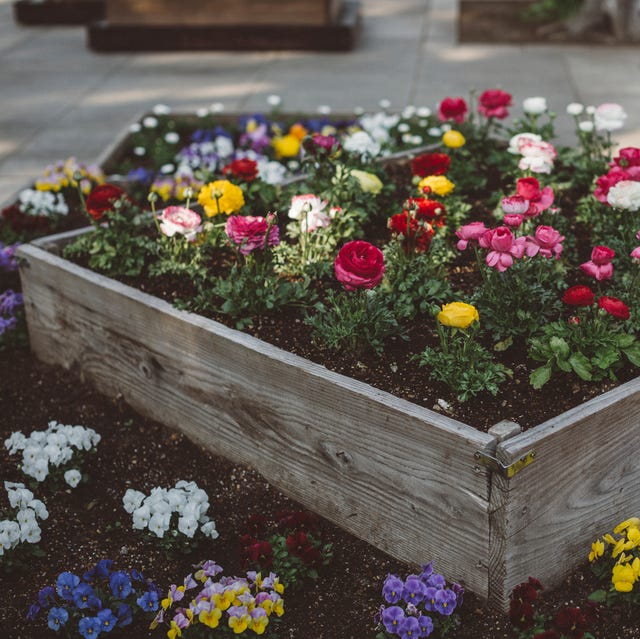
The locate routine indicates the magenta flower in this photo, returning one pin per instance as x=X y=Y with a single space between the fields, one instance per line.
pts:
x=470 y=233
x=539 y=199
x=547 y=242
x=600 y=266
x=249 y=233
x=635 y=254
x=503 y=247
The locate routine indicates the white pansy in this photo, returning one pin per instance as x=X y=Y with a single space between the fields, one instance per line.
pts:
x=423 y=112
x=141 y=517
x=534 y=105
x=135 y=128
x=188 y=526
x=362 y=144
x=26 y=517
x=171 y=137
x=150 y=122
x=324 y=109
x=358 y=110
x=575 y=108
x=15 y=443
x=224 y=146
x=39 y=508
x=159 y=524
x=208 y=529
x=167 y=169
x=132 y=500
x=73 y=477
x=42 y=203
x=139 y=151
x=409 y=111
x=274 y=100
x=271 y=172
x=202 y=113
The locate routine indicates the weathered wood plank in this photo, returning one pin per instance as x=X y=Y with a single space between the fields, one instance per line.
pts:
x=399 y=476
x=222 y=12
x=585 y=479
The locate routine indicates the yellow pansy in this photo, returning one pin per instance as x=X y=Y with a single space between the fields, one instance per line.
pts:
x=609 y=539
x=239 y=624
x=633 y=535
x=453 y=139
x=221 y=197
x=438 y=184
x=623 y=577
x=286 y=146
x=278 y=607
x=259 y=624
x=174 y=631
x=597 y=550
x=632 y=521
x=458 y=315
x=210 y=618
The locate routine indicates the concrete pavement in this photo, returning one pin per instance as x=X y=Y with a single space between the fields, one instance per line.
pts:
x=59 y=99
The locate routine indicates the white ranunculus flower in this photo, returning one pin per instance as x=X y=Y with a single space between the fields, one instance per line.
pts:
x=139 y=151
x=172 y=137
x=609 y=117
x=575 y=108
x=132 y=500
x=73 y=477
x=586 y=127
x=135 y=128
x=423 y=112
x=150 y=122
x=534 y=105
x=625 y=195
x=514 y=142
x=274 y=100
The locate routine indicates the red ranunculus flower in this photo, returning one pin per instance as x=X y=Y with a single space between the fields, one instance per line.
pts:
x=493 y=103
x=430 y=164
x=615 y=307
x=627 y=157
x=414 y=230
x=452 y=109
x=244 y=169
x=102 y=198
x=579 y=295
x=359 y=265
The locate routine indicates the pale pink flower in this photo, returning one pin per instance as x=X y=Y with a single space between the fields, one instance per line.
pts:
x=546 y=242
x=470 y=233
x=503 y=247
x=537 y=156
x=609 y=117
x=514 y=205
x=600 y=266
x=180 y=220
x=305 y=205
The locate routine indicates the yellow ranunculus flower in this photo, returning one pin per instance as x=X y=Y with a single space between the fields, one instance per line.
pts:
x=597 y=550
x=623 y=577
x=221 y=197
x=298 y=131
x=458 y=315
x=287 y=146
x=369 y=182
x=437 y=184
x=453 y=139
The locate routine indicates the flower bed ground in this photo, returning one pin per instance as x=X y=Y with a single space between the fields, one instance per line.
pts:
x=136 y=452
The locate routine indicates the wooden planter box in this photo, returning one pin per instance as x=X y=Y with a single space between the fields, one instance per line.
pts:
x=490 y=509
x=223 y=12
x=61 y=12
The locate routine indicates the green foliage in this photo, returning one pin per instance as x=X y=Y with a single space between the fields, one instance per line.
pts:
x=356 y=322
x=120 y=245
x=291 y=569
x=550 y=10
x=592 y=348
x=463 y=364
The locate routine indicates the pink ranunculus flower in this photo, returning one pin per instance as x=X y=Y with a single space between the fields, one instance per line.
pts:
x=514 y=205
x=249 y=233
x=539 y=200
x=503 y=247
x=546 y=242
x=181 y=221
x=537 y=156
x=471 y=232
x=306 y=205
x=627 y=158
x=452 y=109
x=518 y=138
x=600 y=265
x=513 y=220
x=359 y=264
x=493 y=103
x=635 y=254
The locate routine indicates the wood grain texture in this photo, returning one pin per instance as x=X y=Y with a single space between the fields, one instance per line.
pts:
x=399 y=476
x=222 y=12
x=585 y=479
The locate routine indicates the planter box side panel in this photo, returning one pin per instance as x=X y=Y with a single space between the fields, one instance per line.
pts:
x=403 y=484
x=584 y=480
x=222 y=12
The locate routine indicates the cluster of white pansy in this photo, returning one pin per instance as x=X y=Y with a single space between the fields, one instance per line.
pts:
x=159 y=511
x=22 y=526
x=362 y=144
x=42 y=203
x=54 y=447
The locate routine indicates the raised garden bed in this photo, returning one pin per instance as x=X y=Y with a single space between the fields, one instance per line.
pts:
x=410 y=481
x=253 y=25
x=58 y=12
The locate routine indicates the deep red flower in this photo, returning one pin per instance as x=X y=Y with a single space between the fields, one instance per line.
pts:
x=527 y=591
x=579 y=295
x=298 y=543
x=102 y=198
x=493 y=103
x=20 y=222
x=430 y=164
x=415 y=232
x=297 y=520
x=521 y=614
x=627 y=157
x=256 y=524
x=430 y=210
x=615 y=307
x=571 y=622
x=452 y=109
x=311 y=556
x=260 y=552
x=244 y=169
x=546 y=634
x=359 y=264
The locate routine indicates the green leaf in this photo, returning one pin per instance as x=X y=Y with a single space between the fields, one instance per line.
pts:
x=599 y=596
x=540 y=376
x=503 y=345
x=633 y=353
x=581 y=366
x=559 y=347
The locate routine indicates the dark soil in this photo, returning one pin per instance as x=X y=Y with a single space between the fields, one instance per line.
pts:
x=135 y=452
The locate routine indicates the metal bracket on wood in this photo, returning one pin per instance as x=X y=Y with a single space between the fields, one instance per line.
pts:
x=506 y=470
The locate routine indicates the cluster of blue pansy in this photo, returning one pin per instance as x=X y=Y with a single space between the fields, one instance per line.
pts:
x=103 y=599
x=419 y=604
